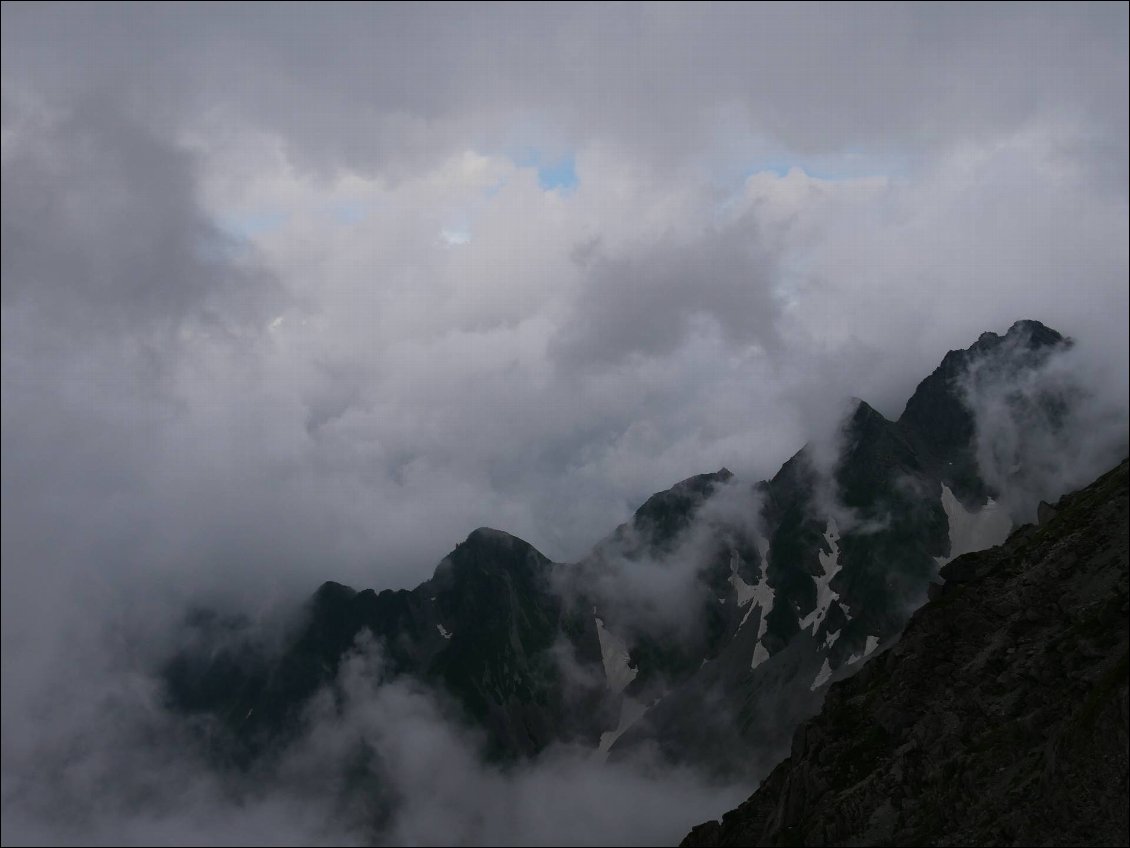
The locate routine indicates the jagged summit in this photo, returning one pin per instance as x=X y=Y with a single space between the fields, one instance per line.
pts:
x=1039 y=335
x=488 y=536
x=937 y=417
x=935 y=406
x=332 y=592
x=665 y=514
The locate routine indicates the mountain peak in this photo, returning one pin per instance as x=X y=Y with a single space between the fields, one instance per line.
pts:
x=331 y=594
x=667 y=513
x=1026 y=332
x=701 y=483
x=864 y=411
x=937 y=411
x=489 y=548
x=491 y=536
x=1039 y=335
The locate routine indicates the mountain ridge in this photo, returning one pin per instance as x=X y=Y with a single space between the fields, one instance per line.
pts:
x=774 y=590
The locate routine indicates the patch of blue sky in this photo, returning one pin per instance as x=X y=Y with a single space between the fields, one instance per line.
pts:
x=492 y=190
x=561 y=174
x=455 y=236
x=554 y=174
x=851 y=165
x=348 y=211
x=249 y=225
x=778 y=168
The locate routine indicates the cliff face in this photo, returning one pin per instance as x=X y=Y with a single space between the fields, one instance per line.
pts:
x=1000 y=717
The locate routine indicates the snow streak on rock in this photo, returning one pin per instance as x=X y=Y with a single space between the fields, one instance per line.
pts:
x=631 y=711
x=618 y=670
x=759 y=596
x=822 y=676
x=830 y=561
x=973 y=531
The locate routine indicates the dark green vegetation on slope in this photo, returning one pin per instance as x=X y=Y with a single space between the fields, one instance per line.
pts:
x=1000 y=717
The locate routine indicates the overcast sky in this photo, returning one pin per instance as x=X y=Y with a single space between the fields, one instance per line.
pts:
x=295 y=293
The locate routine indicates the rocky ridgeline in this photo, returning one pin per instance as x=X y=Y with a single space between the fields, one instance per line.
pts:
x=785 y=586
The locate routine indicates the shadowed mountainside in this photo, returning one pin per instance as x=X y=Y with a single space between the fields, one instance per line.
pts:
x=1000 y=717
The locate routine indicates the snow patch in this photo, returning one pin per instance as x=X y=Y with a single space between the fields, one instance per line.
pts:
x=821 y=676
x=760 y=655
x=973 y=531
x=871 y=644
x=742 y=589
x=631 y=711
x=830 y=562
x=763 y=600
x=614 y=655
x=831 y=638
x=443 y=631
x=758 y=596
x=763 y=549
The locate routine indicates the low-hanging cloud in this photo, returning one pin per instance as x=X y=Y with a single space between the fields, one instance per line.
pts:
x=1049 y=430
x=644 y=585
x=378 y=761
x=644 y=304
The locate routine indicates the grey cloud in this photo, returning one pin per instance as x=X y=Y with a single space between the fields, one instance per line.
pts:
x=378 y=760
x=647 y=302
x=191 y=416
x=659 y=590
x=101 y=231
x=1049 y=433
x=378 y=86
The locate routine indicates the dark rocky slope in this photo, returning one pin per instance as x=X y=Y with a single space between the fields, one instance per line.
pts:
x=487 y=631
x=1000 y=717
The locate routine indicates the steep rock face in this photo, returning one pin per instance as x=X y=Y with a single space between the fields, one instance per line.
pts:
x=1000 y=717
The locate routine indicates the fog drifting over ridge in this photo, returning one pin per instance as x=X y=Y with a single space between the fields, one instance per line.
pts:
x=295 y=295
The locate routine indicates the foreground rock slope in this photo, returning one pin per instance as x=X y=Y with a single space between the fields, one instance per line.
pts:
x=1000 y=717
